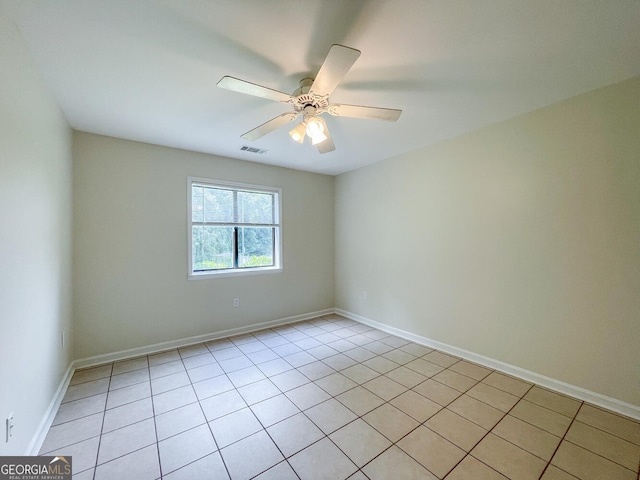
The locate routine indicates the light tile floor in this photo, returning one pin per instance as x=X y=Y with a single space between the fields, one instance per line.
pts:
x=329 y=399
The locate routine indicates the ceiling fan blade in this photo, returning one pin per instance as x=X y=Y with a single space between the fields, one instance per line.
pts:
x=338 y=62
x=326 y=145
x=359 y=111
x=242 y=86
x=269 y=126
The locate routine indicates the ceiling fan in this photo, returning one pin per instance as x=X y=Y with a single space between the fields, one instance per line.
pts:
x=310 y=100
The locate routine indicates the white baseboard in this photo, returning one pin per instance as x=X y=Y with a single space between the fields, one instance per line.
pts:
x=184 y=342
x=47 y=419
x=49 y=416
x=580 y=393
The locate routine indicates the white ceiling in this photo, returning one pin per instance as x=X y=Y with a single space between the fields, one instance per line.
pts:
x=147 y=70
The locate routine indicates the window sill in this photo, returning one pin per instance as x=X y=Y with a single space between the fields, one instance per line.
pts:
x=233 y=273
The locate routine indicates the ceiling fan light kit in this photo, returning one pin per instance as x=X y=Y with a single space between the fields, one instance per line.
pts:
x=316 y=131
x=311 y=99
x=298 y=133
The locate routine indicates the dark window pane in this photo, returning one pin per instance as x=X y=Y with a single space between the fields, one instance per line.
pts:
x=212 y=248
x=255 y=246
x=255 y=207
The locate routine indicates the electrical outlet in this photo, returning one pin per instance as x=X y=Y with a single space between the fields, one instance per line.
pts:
x=9 y=427
x=365 y=295
x=236 y=302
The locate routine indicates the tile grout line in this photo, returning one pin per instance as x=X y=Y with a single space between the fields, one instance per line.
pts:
x=104 y=414
x=206 y=421
x=596 y=453
x=236 y=389
x=446 y=439
x=286 y=458
x=486 y=435
x=395 y=444
x=325 y=435
x=360 y=417
x=130 y=424
x=606 y=432
x=153 y=411
x=560 y=442
x=282 y=392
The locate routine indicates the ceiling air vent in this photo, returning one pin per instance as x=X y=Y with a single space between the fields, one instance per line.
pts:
x=253 y=150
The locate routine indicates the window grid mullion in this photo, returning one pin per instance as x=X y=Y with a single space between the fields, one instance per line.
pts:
x=235 y=247
x=235 y=230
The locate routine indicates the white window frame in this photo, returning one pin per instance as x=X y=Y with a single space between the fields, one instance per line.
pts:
x=234 y=272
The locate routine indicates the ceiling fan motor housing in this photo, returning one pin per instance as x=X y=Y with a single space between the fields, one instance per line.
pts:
x=301 y=98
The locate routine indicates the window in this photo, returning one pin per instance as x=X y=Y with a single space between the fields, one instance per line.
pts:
x=233 y=228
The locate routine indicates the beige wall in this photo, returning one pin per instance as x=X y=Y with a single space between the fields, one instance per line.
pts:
x=35 y=241
x=519 y=242
x=130 y=247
